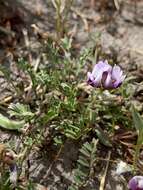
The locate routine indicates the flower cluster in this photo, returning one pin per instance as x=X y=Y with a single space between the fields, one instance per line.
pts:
x=105 y=76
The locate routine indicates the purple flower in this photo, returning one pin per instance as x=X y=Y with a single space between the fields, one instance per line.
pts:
x=136 y=183
x=106 y=76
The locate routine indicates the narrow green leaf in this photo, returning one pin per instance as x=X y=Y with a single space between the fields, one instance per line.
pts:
x=73 y=187
x=88 y=146
x=50 y=115
x=83 y=162
x=69 y=131
x=138 y=121
x=10 y=124
x=72 y=136
x=104 y=139
x=81 y=173
x=74 y=127
x=85 y=152
x=78 y=180
x=20 y=110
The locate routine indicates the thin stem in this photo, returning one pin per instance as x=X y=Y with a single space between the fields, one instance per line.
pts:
x=137 y=152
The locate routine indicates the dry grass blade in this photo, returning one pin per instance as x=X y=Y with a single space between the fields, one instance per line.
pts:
x=103 y=179
x=60 y=4
x=117 y=4
x=82 y=16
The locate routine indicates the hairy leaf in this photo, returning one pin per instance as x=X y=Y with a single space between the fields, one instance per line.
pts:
x=10 y=124
x=20 y=111
x=138 y=121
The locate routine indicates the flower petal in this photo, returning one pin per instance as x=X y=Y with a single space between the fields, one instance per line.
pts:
x=117 y=83
x=140 y=184
x=101 y=66
x=133 y=184
x=117 y=76
x=123 y=78
x=90 y=79
x=108 y=82
x=99 y=69
x=98 y=79
x=136 y=183
x=116 y=72
x=89 y=76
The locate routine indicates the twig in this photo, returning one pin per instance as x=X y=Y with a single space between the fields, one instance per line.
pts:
x=5 y=100
x=36 y=64
x=139 y=51
x=117 y=4
x=26 y=38
x=83 y=17
x=52 y=164
x=102 y=182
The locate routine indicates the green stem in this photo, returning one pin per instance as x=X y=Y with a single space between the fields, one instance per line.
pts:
x=137 y=152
